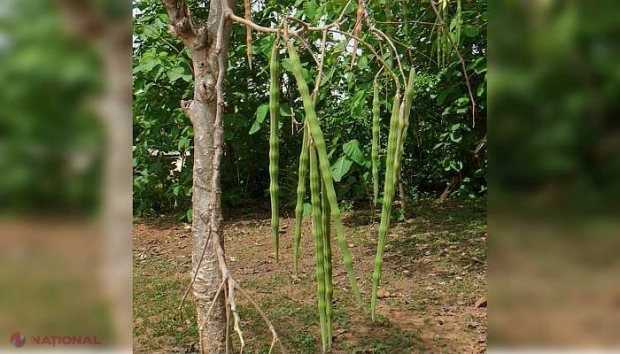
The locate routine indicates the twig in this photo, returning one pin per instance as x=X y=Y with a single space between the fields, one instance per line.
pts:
x=317 y=83
x=403 y=22
x=380 y=34
x=233 y=308
x=306 y=27
x=264 y=317
x=379 y=58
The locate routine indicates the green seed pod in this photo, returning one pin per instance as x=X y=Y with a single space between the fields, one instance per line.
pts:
x=317 y=225
x=404 y=122
x=324 y=165
x=327 y=255
x=374 y=155
x=388 y=197
x=301 y=193
x=274 y=145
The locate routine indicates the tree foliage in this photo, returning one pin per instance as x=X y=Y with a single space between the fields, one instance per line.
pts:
x=442 y=132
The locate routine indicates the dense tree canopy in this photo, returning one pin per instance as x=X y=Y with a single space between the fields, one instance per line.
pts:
x=443 y=133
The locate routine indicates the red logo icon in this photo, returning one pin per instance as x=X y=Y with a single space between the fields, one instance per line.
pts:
x=18 y=339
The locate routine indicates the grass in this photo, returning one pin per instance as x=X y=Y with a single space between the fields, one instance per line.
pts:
x=424 y=256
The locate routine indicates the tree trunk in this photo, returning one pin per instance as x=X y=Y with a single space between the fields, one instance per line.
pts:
x=458 y=179
x=202 y=41
x=111 y=38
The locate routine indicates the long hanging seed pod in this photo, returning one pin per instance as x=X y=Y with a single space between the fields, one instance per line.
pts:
x=274 y=145
x=327 y=255
x=388 y=197
x=326 y=174
x=317 y=224
x=301 y=193
x=403 y=123
x=374 y=154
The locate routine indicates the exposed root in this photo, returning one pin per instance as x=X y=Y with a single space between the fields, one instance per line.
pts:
x=229 y=285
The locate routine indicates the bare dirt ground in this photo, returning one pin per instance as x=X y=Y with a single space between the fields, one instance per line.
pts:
x=432 y=295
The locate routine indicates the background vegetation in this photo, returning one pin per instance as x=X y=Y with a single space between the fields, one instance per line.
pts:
x=442 y=135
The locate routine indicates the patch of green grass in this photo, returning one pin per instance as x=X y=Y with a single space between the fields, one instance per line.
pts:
x=387 y=338
x=157 y=293
x=305 y=342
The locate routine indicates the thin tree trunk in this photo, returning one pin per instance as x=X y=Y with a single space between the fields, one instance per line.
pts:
x=458 y=179
x=202 y=41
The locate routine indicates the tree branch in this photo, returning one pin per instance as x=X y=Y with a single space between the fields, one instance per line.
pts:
x=181 y=22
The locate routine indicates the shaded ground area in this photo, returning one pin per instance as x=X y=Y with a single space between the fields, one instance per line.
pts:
x=434 y=280
x=557 y=277
x=49 y=282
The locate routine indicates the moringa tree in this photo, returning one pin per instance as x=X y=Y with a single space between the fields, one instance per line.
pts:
x=207 y=40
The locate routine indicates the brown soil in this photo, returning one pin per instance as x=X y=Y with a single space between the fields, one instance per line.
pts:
x=434 y=275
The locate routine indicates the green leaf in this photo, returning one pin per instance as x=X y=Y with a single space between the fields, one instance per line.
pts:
x=471 y=31
x=190 y=215
x=307 y=210
x=362 y=63
x=255 y=127
x=352 y=150
x=261 y=112
x=357 y=103
x=341 y=167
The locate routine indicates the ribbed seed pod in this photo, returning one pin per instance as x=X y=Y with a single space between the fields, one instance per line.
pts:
x=388 y=197
x=324 y=165
x=327 y=255
x=301 y=193
x=404 y=123
x=374 y=154
x=274 y=145
x=317 y=226
x=400 y=126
